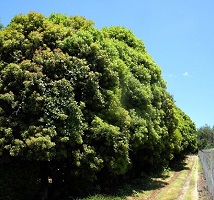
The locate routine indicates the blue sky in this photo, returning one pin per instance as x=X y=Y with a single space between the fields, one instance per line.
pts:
x=179 y=35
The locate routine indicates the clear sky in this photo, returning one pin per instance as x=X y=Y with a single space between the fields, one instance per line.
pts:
x=179 y=35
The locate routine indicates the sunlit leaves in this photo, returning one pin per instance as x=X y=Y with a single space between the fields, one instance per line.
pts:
x=113 y=143
x=92 y=100
x=31 y=22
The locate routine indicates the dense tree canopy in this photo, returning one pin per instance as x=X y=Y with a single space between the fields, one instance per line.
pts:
x=89 y=103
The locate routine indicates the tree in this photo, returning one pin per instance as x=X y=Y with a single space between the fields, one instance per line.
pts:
x=205 y=136
x=84 y=104
x=1 y=25
x=188 y=131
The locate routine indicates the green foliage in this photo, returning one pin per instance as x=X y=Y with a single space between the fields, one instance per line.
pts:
x=86 y=104
x=188 y=131
x=205 y=136
x=114 y=146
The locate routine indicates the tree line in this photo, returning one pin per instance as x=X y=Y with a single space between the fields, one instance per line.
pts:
x=205 y=136
x=82 y=107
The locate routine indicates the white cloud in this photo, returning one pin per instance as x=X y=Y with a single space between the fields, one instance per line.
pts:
x=168 y=75
x=185 y=74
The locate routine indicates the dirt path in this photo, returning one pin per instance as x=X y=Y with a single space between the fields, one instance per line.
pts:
x=192 y=176
x=156 y=192
x=183 y=187
x=188 y=183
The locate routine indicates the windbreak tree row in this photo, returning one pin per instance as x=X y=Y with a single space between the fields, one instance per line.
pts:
x=83 y=105
x=205 y=137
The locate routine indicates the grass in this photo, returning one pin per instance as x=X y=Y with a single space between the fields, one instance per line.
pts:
x=152 y=184
x=141 y=187
x=192 y=191
x=103 y=197
x=171 y=192
x=146 y=186
x=183 y=187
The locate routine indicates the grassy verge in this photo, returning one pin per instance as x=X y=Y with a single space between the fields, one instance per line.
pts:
x=142 y=187
x=185 y=184
x=103 y=197
x=180 y=182
x=171 y=192
x=192 y=192
x=152 y=185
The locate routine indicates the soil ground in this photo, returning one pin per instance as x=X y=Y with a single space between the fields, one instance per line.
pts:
x=203 y=192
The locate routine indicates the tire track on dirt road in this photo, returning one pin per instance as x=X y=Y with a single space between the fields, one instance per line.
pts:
x=155 y=193
x=182 y=185
x=192 y=174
